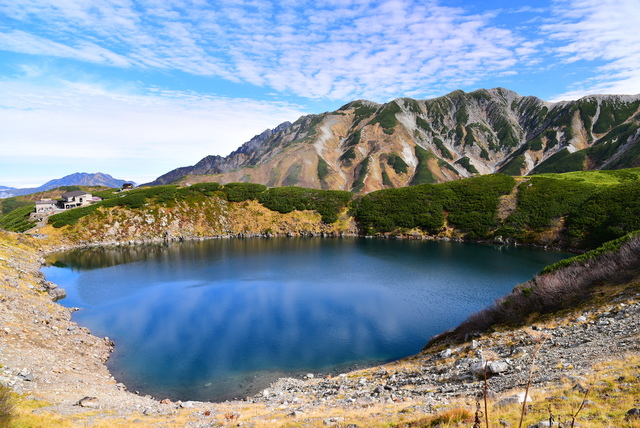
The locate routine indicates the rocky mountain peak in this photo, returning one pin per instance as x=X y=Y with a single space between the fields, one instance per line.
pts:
x=365 y=146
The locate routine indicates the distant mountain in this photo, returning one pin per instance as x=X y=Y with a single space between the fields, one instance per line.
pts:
x=365 y=146
x=77 y=179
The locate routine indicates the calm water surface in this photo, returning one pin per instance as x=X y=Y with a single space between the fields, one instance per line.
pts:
x=221 y=319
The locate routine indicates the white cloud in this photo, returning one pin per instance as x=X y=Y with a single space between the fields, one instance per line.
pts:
x=599 y=30
x=325 y=49
x=85 y=126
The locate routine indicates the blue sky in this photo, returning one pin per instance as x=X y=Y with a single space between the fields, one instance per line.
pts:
x=135 y=88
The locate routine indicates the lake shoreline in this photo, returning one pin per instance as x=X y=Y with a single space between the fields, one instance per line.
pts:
x=63 y=369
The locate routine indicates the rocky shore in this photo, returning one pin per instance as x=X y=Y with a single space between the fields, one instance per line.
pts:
x=59 y=367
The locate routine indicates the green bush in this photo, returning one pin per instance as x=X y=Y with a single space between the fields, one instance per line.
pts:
x=72 y=216
x=361 y=172
x=323 y=169
x=328 y=203
x=465 y=162
x=471 y=204
x=387 y=117
x=541 y=200
x=402 y=208
x=397 y=163
x=607 y=247
x=13 y=203
x=348 y=156
x=17 y=220
x=443 y=149
x=423 y=174
x=608 y=214
x=238 y=192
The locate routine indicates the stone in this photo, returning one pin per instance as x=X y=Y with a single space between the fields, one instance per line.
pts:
x=57 y=294
x=513 y=399
x=633 y=414
x=478 y=368
x=378 y=390
x=25 y=374
x=446 y=353
x=91 y=402
x=496 y=367
x=581 y=318
x=333 y=421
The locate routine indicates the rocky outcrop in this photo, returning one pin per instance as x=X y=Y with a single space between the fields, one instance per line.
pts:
x=365 y=146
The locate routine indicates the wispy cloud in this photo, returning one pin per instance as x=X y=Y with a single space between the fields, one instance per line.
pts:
x=315 y=49
x=599 y=30
x=89 y=126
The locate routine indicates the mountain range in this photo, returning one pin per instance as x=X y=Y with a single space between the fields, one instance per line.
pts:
x=76 y=179
x=365 y=146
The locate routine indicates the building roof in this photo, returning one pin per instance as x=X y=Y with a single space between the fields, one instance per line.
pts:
x=75 y=193
x=45 y=202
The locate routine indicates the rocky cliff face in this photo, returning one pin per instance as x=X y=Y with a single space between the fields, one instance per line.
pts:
x=365 y=146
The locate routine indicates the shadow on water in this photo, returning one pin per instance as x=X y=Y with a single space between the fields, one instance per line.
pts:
x=220 y=319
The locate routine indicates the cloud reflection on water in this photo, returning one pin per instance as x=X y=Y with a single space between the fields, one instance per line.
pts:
x=227 y=311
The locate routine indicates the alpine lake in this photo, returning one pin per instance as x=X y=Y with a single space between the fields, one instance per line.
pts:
x=221 y=319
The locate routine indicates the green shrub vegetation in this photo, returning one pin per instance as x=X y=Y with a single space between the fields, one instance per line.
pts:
x=613 y=114
x=506 y=135
x=608 y=247
x=443 y=149
x=471 y=205
x=363 y=112
x=239 y=192
x=387 y=117
x=323 y=169
x=563 y=161
x=348 y=156
x=13 y=203
x=542 y=200
x=423 y=124
x=514 y=166
x=361 y=172
x=397 y=163
x=400 y=208
x=423 y=174
x=608 y=214
x=328 y=203
x=353 y=139
x=465 y=162
x=17 y=220
x=386 y=181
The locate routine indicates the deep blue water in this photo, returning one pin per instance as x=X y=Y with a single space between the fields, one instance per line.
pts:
x=221 y=319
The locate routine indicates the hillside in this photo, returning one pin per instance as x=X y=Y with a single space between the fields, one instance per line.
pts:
x=97 y=179
x=365 y=146
x=579 y=211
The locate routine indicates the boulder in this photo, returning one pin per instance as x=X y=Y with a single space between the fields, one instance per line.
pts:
x=495 y=367
x=512 y=399
x=26 y=374
x=57 y=294
x=91 y=402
